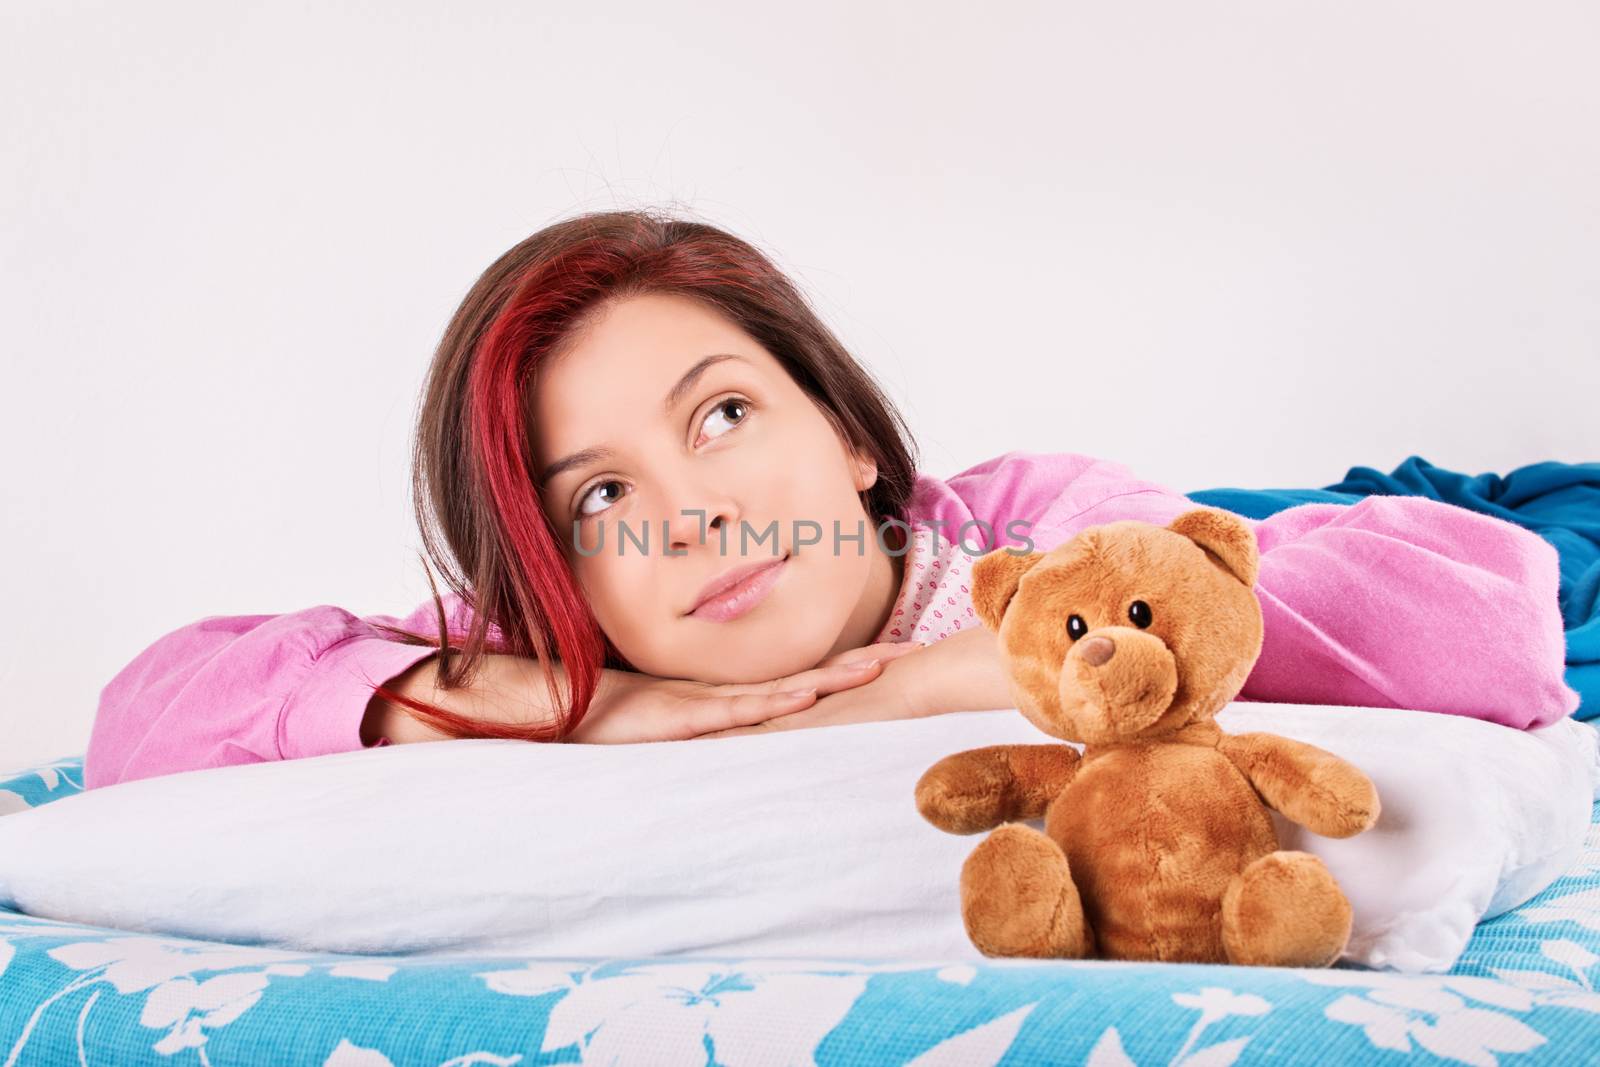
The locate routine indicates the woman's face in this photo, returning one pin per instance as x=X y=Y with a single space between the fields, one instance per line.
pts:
x=678 y=417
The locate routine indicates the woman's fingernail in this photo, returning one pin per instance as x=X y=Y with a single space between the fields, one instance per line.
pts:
x=862 y=665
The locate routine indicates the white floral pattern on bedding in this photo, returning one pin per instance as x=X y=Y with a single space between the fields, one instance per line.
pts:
x=1524 y=992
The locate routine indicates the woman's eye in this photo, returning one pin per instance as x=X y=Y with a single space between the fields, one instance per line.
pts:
x=739 y=407
x=583 y=502
x=724 y=417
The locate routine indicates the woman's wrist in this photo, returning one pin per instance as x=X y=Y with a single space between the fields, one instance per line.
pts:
x=385 y=720
x=505 y=688
x=962 y=672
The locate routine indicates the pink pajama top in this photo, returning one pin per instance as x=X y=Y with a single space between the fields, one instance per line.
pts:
x=1394 y=601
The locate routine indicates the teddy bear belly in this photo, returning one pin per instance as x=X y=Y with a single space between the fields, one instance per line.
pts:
x=1153 y=839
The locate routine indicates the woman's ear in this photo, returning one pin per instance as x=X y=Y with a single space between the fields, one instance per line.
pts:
x=866 y=472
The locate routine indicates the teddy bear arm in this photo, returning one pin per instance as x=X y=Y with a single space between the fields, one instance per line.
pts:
x=977 y=790
x=1040 y=773
x=1307 y=784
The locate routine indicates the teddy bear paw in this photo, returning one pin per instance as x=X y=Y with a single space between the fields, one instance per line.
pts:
x=1018 y=897
x=1285 y=910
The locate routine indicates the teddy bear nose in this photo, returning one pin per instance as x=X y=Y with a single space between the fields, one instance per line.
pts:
x=1097 y=650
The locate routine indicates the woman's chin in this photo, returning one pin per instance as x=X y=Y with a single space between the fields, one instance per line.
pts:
x=753 y=658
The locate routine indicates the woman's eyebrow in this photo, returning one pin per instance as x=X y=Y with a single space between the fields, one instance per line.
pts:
x=674 y=397
x=692 y=375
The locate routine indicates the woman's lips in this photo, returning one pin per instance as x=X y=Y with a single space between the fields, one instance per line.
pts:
x=743 y=597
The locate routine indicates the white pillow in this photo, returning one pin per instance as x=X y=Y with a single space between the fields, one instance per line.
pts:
x=799 y=844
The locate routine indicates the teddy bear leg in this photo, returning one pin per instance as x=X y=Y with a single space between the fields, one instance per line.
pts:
x=1018 y=898
x=1285 y=910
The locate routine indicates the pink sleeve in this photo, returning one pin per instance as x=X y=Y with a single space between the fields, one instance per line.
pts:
x=232 y=689
x=1410 y=602
x=1393 y=601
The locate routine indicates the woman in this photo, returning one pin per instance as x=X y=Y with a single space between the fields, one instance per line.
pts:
x=623 y=376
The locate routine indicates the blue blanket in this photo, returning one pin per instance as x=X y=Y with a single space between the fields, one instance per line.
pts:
x=1558 y=501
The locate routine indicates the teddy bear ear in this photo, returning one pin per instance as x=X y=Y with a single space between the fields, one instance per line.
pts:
x=994 y=582
x=1226 y=536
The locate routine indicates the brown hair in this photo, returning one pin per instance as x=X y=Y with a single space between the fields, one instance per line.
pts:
x=473 y=477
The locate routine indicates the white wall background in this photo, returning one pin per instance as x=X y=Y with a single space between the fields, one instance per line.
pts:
x=1228 y=244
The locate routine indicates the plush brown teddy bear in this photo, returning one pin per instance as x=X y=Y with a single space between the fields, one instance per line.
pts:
x=1157 y=846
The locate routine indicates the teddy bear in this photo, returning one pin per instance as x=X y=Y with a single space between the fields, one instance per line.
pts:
x=1157 y=843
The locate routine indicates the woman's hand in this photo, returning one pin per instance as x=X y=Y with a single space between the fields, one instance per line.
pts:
x=963 y=672
x=888 y=696
x=629 y=707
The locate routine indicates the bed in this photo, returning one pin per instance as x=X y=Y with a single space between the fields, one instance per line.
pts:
x=1523 y=991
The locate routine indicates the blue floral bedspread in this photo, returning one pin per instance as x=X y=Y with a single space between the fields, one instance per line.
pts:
x=1524 y=992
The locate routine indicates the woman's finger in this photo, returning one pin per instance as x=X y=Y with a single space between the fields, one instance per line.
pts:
x=847 y=669
x=835 y=710
x=839 y=677
x=883 y=650
x=706 y=714
x=823 y=679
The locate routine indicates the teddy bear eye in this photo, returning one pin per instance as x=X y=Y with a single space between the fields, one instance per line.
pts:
x=1076 y=627
x=1139 y=612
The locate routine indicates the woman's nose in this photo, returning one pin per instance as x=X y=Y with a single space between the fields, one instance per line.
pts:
x=705 y=524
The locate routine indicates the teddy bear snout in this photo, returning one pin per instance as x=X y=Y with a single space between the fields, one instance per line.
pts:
x=1119 y=682
x=1096 y=650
